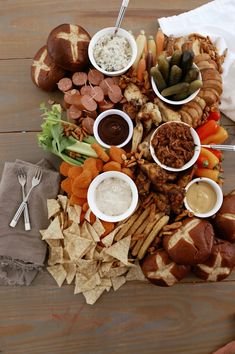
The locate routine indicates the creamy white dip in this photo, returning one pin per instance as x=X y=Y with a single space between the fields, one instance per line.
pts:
x=113 y=196
x=112 y=52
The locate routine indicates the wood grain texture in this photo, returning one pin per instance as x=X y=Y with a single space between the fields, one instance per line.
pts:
x=138 y=319
x=25 y=25
x=192 y=317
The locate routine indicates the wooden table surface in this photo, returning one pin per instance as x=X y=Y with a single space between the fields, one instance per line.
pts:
x=191 y=317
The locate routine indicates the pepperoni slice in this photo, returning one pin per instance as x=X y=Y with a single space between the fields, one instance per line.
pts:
x=115 y=93
x=97 y=93
x=65 y=84
x=95 y=77
x=105 y=85
x=79 y=78
x=74 y=112
x=105 y=105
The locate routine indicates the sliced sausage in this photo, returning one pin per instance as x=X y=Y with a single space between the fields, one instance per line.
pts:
x=115 y=93
x=95 y=77
x=79 y=78
x=105 y=105
x=90 y=114
x=65 y=84
x=87 y=124
x=73 y=112
x=97 y=93
x=86 y=90
x=116 y=79
x=85 y=102
x=105 y=85
x=68 y=96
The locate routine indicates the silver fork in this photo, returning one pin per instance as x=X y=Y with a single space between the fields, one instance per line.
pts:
x=22 y=182
x=35 y=181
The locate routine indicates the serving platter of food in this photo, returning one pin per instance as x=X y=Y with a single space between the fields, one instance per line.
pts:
x=140 y=198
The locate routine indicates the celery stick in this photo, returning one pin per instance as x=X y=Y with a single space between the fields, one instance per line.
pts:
x=82 y=148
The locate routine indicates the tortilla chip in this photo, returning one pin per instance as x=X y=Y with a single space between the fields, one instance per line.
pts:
x=93 y=295
x=108 y=240
x=117 y=282
x=87 y=267
x=106 y=282
x=91 y=283
x=66 y=256
x=105 y=268
x=78 y=210
x=99 y=228
x=58 y=273
x=77 y=247
x=115 y=272
x=80 y=279
x=53 y=207
x=53 y=231
x=72 y=214
x=135 y=273
x=93 y=233
x=120 y=250
x=85 y=233
x=91 y=254
x=104 y=257
x=53 y=243
x=70 y=268
x=63 y=201
x=73 y=229
x=55 y=255
x=87 y=216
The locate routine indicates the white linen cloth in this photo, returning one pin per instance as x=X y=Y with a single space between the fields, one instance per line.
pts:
x=217 y=20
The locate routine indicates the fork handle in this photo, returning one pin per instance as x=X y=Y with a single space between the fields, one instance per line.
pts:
x=19 y=211
x=27 y=225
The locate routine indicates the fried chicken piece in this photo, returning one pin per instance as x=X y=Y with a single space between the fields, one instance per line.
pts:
x=131 y=109
x=143 y=184
x=176 y=198
x=157 y=175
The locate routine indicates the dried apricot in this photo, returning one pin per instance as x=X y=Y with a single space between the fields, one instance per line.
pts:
x=75 y=171
x=64 y=168
x=112 y=166
x=116 y=154
x=83 y=180
x=66 y=185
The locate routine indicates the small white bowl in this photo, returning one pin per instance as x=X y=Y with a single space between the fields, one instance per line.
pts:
x=218 y=192
x=186 y=100
x=108 y=113
x=92 y=202
x=192 y=161
x=121 y=32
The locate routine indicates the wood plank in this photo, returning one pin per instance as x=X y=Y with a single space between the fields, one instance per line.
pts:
x=140 y=318
x=20 y=98
x=25 y=25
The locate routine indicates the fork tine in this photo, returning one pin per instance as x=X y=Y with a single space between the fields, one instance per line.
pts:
x=38 y=174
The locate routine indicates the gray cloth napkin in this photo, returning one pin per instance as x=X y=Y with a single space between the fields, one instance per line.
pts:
x=22 y=253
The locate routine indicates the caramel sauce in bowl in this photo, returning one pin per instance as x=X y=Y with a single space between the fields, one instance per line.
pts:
x=203 y=197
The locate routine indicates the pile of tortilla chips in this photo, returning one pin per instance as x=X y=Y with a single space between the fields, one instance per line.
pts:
x=76 y=252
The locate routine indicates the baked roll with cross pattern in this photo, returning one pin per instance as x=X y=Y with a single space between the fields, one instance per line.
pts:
x=191 y=243
x=44 y=71
x=159 y=269
x=68 y=46
x=225 y=218
x=219 y=264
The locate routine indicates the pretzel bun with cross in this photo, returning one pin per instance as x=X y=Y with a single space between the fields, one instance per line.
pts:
x=191 y=243
x=220 y=263
x=159 y=269
x=44 y=71
x=68 y=46
x=225 y=218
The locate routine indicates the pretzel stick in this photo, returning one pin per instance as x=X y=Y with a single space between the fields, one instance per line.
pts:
x=127 y=225
x=138 y=223
x=147 y=230
x=156 y=229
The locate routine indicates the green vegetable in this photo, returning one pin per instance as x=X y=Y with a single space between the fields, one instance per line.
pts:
x=52 y=137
